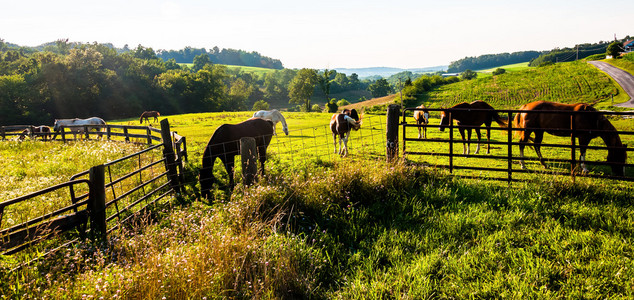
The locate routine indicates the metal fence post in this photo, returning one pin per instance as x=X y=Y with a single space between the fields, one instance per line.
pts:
x=249 y=156
x=168 y=153
x=393 y=114
x=97 y=202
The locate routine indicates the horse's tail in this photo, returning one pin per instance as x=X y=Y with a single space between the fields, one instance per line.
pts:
x=496 y=117
x=520 y=134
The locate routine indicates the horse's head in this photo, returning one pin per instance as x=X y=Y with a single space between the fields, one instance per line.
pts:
x=56 y=126
x=617 y=156
x=444 y=120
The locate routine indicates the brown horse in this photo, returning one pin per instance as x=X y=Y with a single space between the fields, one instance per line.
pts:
x=341 y=124
x=422 y=118
x=589 y=125
x=149 y=114
x=483 y=114
x=225 y=144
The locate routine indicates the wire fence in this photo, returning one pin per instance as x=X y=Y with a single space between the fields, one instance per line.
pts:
x=299 y=148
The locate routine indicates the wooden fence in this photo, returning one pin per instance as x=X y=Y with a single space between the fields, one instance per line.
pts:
x=505 y=160
x=145 y=134
x=106 y=198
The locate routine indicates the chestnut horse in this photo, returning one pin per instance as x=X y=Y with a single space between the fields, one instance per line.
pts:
x=422 y=118
x=225 y=144
x=589 y=125
x=483 y=114
x=340 y=125
x=149 y=114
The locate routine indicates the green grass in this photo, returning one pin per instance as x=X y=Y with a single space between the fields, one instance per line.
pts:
x=360 y=229
x=255 y=70
x=564 y=82
x=509 y=68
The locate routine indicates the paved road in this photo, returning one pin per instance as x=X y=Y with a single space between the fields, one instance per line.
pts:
x=625 y=79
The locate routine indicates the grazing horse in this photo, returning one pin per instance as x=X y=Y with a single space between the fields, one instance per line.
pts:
x=97 y=122
x=483 y=114
x=149 y=114
x=340 y=125
x=43 y=131
x=422 y=118
x=589 y=125
x=225 y=144
x=274 y=116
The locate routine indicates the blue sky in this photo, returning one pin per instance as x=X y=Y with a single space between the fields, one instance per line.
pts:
x=325 y=33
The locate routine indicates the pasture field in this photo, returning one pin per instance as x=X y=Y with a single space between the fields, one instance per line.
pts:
x=572 y=82
x=320 y=226
x=509 y=68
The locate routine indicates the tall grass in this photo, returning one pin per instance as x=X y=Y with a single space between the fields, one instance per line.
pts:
x=362 y=229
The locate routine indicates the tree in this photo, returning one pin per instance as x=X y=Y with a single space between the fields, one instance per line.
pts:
x=468 y=74
x=200 y=61
x=614 y=49
x=380 y=88
x=332 y=106
x=302 y=86
x=324 y=82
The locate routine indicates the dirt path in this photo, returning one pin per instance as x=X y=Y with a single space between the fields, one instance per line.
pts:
x=625 y=79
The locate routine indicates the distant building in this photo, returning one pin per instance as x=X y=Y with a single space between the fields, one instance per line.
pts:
x=450 y=74
x=628 y=46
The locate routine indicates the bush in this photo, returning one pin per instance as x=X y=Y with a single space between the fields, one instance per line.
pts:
x=468 y=75
x=260 y=105
x=499 y=71
x=629 y=56
x=343 y=102
x=332 y=106
x=596 y=57
x=315 y=107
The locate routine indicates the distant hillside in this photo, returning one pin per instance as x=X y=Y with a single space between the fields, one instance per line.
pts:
x=491 y=61
x=385 y=71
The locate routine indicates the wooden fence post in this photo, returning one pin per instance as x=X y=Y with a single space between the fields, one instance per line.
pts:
x=168 y=153
x=393 y=114
x=249 y=156
x=97 y=202
x=149 y=136
x=125 y=133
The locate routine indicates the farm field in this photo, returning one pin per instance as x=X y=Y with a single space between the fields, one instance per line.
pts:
x=320 y=226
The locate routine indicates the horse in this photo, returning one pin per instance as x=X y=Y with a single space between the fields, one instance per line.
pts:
x=484 y=114
x=273 y=115
x=43 y=131
x=589 y=125
x=149 y=114
x=422 y=118
x=92 y=123
x=340 y=125
x=225 y=145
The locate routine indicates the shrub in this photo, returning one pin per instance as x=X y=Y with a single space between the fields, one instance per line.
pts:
x=343 y=102
x=315 y=107
x=499 y=71
x=261 y=105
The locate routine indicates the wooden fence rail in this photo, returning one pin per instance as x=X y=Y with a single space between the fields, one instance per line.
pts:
x=111 y=199
x=146 y=134
x=412 y=145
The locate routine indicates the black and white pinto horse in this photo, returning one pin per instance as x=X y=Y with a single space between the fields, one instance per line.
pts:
x=341 y=124
x=274 y=116
x=77 y=125
x=42 y=131
x=225 y=145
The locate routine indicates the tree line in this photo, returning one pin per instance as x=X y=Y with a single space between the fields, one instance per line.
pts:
x=65 y=80
x=488 y=61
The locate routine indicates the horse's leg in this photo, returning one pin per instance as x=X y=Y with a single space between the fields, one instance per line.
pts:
x=539 y=136
x=477 y=130
x=583 y=144
x=465 y=145
x=345 y=143
x=488 y=138
x=522 y=144
x=229 y=168
x=420 y=136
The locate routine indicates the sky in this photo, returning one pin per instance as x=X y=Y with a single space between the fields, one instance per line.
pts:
x=324 y=33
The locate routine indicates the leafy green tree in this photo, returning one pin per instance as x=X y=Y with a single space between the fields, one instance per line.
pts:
x=260 y=105
x=614 y=49
x=324 y=82
x=468 y=74
x=302 y=86
x=200 y=61
x=380 y=88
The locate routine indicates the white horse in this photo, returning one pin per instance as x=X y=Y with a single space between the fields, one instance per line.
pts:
x=274 y=116
x=99 y=122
